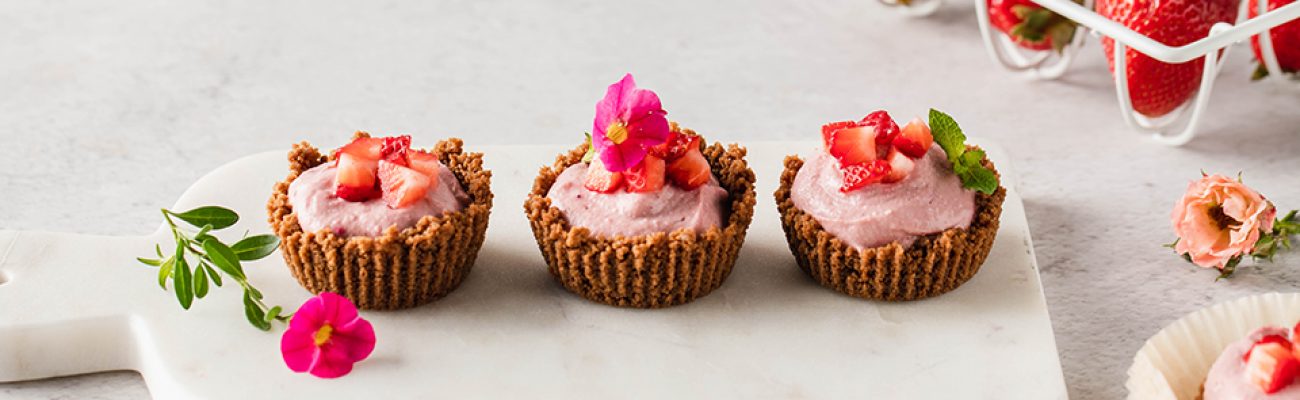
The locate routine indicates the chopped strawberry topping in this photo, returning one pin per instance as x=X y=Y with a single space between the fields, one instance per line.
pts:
x=676 y=146
x=853 y=146
x=355 y=178
x=647 y=176
x=900 y=166
x=914 y=139
x=884 y=125
x=600 y=179
x=423 y=161
x=402 y=186
x=690 y=171
x=1278 y=339
x=363 y=147
x=830 y=128
x=859 y=175
x=395 y=149
x=1271 y=366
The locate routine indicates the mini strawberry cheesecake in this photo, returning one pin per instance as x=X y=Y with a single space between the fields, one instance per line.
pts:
x=381 y=223
x=1263 y=365
x=643 y=214
x=891 y=213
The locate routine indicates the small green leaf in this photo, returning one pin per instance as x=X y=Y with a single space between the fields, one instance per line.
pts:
x=218 y=217
x=591 y=149
x=981 y=180
x=212 y=273
x=257 y=294
x=158 y=249
x=223 y=258
x=255 y=247
x=254 y=313
x=947 y=134
x=200 y=282
x=165 y=271
x=182 y=283
x=203 y=233
x=149 y=261
x=273 y=313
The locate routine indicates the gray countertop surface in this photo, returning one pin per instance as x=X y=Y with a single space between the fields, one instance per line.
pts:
x=109 y=110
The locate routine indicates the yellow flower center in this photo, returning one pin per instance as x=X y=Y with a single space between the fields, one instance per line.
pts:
x=323 y=334
x=616 y=133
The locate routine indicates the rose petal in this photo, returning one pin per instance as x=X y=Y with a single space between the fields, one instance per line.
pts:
x=299 y=349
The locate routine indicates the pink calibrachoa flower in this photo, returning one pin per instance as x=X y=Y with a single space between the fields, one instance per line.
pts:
x=1219 y=220
x=326 y=336
x=628 y=120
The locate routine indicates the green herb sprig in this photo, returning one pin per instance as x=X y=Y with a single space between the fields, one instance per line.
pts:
x=190 y=281
x=966 y=163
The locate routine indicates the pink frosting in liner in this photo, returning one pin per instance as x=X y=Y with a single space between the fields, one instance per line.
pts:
x=634 y=214
x=1227 y=379
x=929 y=200
x=313 y=200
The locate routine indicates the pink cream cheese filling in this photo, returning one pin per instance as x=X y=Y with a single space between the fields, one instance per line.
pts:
x=929 y=200
x=635 y=214
x=1227 y=379
x=313 y=200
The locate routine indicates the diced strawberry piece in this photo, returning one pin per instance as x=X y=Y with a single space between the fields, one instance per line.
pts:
x=678 y=143
x=830 y=128
x=423 y=161
x=884 y=125
x=859 y=175
x=647 y=176
x=1271 y=367
x=354 y=178
x=368 y=148
x=600 y=179
x=900 y=166
x=853 y=146
x=1277 y=339
x=402 y=186
x=915 y=139
x=690 y=171
x=395 y=149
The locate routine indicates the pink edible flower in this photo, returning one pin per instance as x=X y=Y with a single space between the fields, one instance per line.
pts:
x=326 y=336
x=1219 y=219
x=628 y=121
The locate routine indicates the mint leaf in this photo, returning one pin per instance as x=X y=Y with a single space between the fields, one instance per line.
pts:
x=967 y=164
x=980 y=179
x=947 y=134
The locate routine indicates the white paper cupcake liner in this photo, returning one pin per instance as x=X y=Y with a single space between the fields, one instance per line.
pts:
x=1173 y=363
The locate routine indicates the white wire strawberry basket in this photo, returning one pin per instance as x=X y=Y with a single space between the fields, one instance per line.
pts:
x=1176 y=127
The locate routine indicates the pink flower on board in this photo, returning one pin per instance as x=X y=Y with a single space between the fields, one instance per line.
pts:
x=628 y=121
x=1219 y=220
x=326 y=336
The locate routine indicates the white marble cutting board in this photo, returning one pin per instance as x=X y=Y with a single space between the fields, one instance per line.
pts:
x=73 y=304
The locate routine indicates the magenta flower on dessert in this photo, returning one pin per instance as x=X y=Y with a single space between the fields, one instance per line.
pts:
x=326 y=336
x=628 y=121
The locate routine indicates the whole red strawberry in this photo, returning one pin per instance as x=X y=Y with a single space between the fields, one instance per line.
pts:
x=1286 y=41
x=1157 y=87
x=1030 y=25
